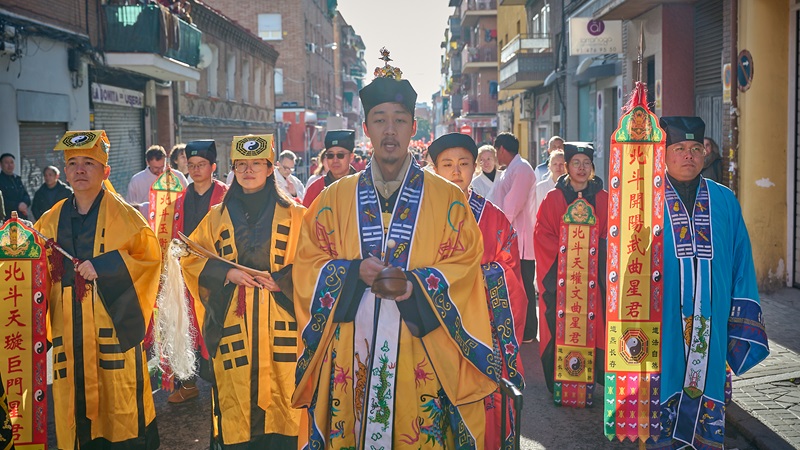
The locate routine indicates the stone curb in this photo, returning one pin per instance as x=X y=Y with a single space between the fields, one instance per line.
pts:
x=754 y=430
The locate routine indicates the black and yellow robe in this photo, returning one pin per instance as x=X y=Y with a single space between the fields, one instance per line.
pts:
x=101 y=385
x=253 y=351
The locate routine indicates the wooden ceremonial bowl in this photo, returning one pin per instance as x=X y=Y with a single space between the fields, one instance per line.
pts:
x=390 y=283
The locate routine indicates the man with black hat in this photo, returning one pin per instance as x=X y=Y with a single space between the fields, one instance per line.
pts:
x=189 y=209
x=711 y=312
x=339 y=145
x=425 y=337
x=454 y=156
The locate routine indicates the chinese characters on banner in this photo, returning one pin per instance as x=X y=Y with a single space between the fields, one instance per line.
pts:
x=576 y=306
x=163 y=193
x=23 y=350
x=636 y=222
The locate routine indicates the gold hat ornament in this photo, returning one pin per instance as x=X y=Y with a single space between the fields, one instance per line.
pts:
x=92 y=144
x=387 y=71
x=388 y=87
x=253 y=147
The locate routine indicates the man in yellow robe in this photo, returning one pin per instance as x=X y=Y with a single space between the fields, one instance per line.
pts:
x=246 y=322
x=99 y=310
x=404 y=372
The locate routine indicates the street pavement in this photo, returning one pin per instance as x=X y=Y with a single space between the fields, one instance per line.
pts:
x=765 y=413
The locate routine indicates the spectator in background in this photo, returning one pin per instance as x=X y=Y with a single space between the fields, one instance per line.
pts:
x=514 y=193
x=2 y=208
x=178 y=161
x=483 y=182
x=555 y=168
x=285 y=178
x=50 y=192
x=14 y=193
x=555 y=143
x=139 y=186
x=319 y=169
x=712 y=166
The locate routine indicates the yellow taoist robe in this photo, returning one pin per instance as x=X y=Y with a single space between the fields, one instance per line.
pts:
x=376 y=373
x=101 y=386
x=253 y=355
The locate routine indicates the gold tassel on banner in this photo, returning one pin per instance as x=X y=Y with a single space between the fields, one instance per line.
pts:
x=174 y=333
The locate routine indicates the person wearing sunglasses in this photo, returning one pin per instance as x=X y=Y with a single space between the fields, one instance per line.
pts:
x=246 y=319
x=338 y=154
x=573 y=215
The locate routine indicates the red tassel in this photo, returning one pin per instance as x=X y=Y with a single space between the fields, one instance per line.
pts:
x=638 y=97
x=56 y=262
x=240 y=305
x=81 y=287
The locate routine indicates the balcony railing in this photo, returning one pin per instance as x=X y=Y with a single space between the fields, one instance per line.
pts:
x=144 y=29
x=474 y=58
x=480 y=5
x=525 y=43
x=472 y=10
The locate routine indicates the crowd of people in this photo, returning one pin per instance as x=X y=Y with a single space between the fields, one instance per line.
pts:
x=316 y=307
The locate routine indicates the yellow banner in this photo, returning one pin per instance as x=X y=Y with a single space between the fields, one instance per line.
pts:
x=636 y=229
x=633 y=346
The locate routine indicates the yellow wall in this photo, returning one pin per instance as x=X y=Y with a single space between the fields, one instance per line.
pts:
x=763 y=30
x=507 y=18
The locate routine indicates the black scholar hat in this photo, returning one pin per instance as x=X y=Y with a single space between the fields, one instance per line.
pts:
x=340 y=138
x=452 y=140
x=388 y=87
x=683 y=128
x=578 y=148
x=204 y=148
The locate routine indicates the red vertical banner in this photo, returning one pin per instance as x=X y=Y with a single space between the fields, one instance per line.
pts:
x=23 y=335
x=634 y=274
x=576 y=306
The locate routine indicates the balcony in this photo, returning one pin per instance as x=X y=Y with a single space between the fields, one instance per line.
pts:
x=525 y=43
x=627 y=9
x=455 y=65
x=474 y=59
x=473 y=10
x=455 y=28
x=525 y=62
x=512 y=2
x=135 y=40
x=349 y=83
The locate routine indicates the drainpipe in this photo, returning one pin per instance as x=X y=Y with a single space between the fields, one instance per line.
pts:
x=733 y=137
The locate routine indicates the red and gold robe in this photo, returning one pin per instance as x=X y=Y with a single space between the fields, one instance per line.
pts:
x=548 y=244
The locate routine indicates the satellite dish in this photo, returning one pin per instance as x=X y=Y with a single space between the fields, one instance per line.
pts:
x=206 y=56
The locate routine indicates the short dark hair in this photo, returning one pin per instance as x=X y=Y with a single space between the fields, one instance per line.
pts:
x=4 y=155
x=155 y=152
x=508 y=141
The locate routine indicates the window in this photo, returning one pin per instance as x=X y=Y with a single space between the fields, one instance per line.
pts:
x=230 y=71
x=246 y=81
x=257 y=99
x=278 y=81
x=213 y=69
x=190 y=87
x=269 y=95
x=269 y=27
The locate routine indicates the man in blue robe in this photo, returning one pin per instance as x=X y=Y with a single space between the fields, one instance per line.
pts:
x=711 y=306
